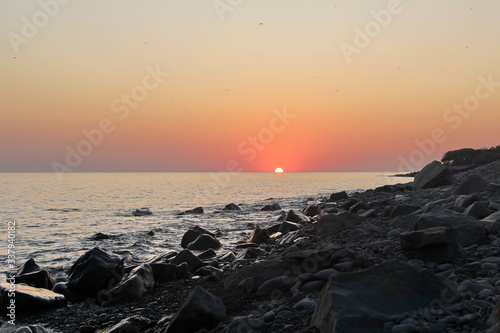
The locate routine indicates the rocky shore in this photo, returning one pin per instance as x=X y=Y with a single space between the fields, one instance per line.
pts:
x=417 y=257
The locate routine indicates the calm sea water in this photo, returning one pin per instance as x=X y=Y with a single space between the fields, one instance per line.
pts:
x=55 y=219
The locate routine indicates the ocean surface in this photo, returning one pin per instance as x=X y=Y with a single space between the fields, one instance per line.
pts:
x=56 y=218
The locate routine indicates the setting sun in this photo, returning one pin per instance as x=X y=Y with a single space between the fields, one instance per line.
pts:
x=278 y=170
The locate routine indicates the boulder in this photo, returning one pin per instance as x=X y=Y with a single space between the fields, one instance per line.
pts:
x=296 y=216
x=197 y=210
x=258 y=235
x=469 y=230
x=201 y=309
x=274 y=206
x=163 y=272
x=477 y=210
x=495 y=217
x=433 y=174
x=438 y=244
x=192 y=261
x=192 y=234
x=472 y=184
x=28 y=299
x=399 y=210
x=287 y=226
x=134 y=324
x=207 y=254
x=142 y=212
x=249 y=253
x=203 y=243
x=95 y=271
x=132 y=287
x=338 y=196
x=312 y=210
x=99 y=236
x=363 y=301
x=231 y=206
x=257 y=274
x=32 y=275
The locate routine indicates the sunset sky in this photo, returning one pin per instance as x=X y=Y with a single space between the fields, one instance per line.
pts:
x=247 y=85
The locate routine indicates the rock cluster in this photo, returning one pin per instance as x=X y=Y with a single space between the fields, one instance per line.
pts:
x=417 y=257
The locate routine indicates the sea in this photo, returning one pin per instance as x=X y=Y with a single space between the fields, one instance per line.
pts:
x=52 y=219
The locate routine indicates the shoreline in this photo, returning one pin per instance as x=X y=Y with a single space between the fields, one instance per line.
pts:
x=369 y=235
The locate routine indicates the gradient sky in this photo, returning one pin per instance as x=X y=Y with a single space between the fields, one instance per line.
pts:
x=388 y=106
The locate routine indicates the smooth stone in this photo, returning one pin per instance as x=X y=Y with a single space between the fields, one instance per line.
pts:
x=473 y=287
x=189 y=258
x=304 y=304
x=404 y=328
x=325 y=274
x=30 y=299
x=284 y=314
x=313 y=286
x=269 y=316
x=231 y=206
x=271 y=207
x=193 y=233
x=204 y=242
x=279 y=284
x=142 y=212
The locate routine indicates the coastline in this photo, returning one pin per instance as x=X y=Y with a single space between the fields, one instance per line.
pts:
x=369 y=234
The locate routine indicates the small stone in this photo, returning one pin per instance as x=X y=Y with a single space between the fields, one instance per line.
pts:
x=269 y=316
x=284 y=314
x=436 y=328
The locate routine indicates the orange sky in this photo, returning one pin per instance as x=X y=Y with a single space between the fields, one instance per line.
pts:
x=232 y=70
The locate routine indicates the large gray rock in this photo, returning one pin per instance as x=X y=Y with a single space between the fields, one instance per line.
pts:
x=31 y=274
x=258 y=235
x=203 y=243
x=437 y=244
x=201 y=309
x=329 y=224
x=132 y=287
x=433 y=174
x=163 y=272
x=274 y=206
x=28 y=299
x=231 y=206
x=192 y=261
x=134 y=324
x=464 y=201
x=296 y=216
x=494 y=319
x=363 y=301
x=192 y=234
x=95 y=271
x=469 y=230
x=338 y=196
x=472 y=184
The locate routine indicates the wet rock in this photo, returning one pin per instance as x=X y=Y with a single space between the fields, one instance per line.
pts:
x=271 y=207
x=94 y=271
x=313 y=286
x=163 y=272
x=257 y=274
x=99 y=236
x=438 y=244
x=296 y=216
x=338 y=196
x=142 y=212
x=33 y=275
x=201 y=309
x=469 y=230
x=132 y=287
x=258 y=235
x=192 y=234
x=433 y=174
x=188 y=257
x=363 y=301
x=287 y=226
x=495 y=217
x=209 y=271
x=28 y=299
x=249 y=253
x=204 y=242
x=312 y=210
x=474 y=287
x=231 y=206
x=134 y=324
x=229 y=256
x=472 y=184
x=197 y=210
x=477 y=210
x=207 y=254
